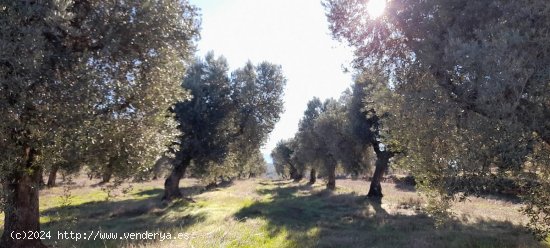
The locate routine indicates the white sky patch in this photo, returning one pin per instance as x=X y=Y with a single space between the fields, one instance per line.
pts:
x=376 y=8
x=291 y=33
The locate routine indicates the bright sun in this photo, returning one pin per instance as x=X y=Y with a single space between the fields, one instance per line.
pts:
x=376 y=8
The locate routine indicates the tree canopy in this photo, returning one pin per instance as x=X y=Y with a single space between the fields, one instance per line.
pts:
x=95 y=78
x=470 y=87
x=227 y=120
x=328 y=137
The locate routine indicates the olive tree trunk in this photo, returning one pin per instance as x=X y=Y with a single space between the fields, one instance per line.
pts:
x=21 y=209
x=381 y=166
x=53 y=175
x=312 y=176
x=331 y=171
x=107 y=173
x=172 y=183
x=295 y=173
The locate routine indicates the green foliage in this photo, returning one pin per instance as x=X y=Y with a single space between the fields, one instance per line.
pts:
x=306 y=148
x=323 y=139
x=331 y=130
x=117 y=70
x=283 y=160
x=229 y=117
x=258 y=93
x=90 y=82
x=142 y=78
x=206 y=120
x=341 y=132
x=469 y=85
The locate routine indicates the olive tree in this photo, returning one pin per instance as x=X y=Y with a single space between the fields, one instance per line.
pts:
x=366 y=119
x=257 y=93
x=226 y=122
x=285 y=162
x=471 y=84
x=73 y=74
x=324 y=139
x=205 y=121
x=305 y=145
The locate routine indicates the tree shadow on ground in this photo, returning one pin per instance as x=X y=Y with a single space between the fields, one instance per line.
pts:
x=405 y=187
x=189 y=191
x=327 y=219
x=277 y=182
x=148 y=213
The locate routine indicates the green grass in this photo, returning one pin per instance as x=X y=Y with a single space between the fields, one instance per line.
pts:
x=265 y=213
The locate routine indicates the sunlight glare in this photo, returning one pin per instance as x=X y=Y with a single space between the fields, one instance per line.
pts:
x=376 y=8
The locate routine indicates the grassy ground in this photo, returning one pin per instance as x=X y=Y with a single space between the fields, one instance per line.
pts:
x=265 y=213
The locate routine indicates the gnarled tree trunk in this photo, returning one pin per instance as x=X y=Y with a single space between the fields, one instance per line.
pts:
x=331 y=170
x=295 y=174
x=312 y=176
x=381 y=166
x=21 y=211
x=172 y=183
x=107 y=173
x=53 y=175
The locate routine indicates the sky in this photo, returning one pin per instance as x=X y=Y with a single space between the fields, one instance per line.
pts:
x=291 y=33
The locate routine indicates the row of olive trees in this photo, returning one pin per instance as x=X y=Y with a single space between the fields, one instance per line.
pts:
x=336 y=132
x=100 y=84
x=226 y=121
x=468 y=86
x=85 y=82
